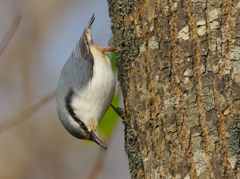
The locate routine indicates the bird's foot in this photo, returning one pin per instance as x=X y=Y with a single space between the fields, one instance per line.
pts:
x=120 y=112
x=113 y=48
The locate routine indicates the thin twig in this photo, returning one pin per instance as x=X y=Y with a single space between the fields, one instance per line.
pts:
x=10 y=33
x=98 y=165
x=25 y=114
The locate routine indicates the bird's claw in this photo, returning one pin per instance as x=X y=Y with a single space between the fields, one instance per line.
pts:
x=120 y=112
x=113 y=48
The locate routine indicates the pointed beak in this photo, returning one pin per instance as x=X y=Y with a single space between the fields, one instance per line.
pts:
x=95 y=138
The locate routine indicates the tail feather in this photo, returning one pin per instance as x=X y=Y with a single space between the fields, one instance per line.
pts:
x=82 y=51
x=88 y=32
x=91 y=21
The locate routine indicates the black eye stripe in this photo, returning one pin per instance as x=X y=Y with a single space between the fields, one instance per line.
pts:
x=68 y=101
x=82 y=125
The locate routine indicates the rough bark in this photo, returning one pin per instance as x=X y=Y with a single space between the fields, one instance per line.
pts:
x=180 y=77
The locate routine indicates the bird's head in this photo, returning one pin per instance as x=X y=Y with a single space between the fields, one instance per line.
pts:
x=81 y=129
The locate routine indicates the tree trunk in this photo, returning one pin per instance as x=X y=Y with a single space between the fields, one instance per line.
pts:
x=180 y=77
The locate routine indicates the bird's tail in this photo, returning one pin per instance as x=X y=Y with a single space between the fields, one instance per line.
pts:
x=88 y=32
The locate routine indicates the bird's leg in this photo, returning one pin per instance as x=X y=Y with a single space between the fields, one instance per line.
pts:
x=120 y=112
x=114 y=48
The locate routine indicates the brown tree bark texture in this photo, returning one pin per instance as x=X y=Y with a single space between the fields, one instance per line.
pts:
x=180 y=76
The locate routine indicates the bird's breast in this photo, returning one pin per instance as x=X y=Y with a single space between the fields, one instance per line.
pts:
x=92 y=102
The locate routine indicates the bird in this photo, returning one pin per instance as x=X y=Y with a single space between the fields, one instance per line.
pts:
x=86 y=88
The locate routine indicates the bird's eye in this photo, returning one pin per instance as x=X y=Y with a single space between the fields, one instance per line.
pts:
x=82 y=125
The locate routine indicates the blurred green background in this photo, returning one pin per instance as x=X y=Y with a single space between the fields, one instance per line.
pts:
x=109 y=121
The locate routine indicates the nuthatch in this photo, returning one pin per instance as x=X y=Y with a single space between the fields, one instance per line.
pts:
x=86 y=88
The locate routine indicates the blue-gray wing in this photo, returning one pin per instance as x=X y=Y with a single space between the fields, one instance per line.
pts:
x=78 y=70
x=82 y=50
x=76 y=74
